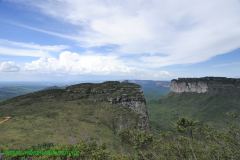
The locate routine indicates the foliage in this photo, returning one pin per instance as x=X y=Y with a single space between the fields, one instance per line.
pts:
x=206 y=143
x=185 y=139
x=208 y=108
x=63 y=123
x=136 y=138
x=186 y=126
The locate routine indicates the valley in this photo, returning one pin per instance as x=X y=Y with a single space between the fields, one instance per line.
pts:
x=130 y=118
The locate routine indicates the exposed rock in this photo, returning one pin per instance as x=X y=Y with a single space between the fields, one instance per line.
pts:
x=186 y=86
x=205 y=85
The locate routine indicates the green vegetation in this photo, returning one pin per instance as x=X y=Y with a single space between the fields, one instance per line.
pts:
x=80 y=123
x=68 y=116
x=208 y=108
x=63 y=123
x=187 y=141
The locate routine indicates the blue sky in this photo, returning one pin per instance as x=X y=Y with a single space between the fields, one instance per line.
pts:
x=78 y=40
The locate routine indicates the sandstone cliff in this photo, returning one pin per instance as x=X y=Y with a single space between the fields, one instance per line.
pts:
x=205 y=85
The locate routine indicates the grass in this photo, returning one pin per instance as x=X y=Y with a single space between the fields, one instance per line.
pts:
x=51 y=117
x=63 y=123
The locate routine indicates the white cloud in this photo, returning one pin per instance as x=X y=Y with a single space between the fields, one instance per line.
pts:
x=9 y=66
x=148 y=35
x=186 y=31
x=28 y=49
x=70 y=63
x=74 y=63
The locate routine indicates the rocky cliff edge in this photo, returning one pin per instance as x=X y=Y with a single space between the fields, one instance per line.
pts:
x=205 y=85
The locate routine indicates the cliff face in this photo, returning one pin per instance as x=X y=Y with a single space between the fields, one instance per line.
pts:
x=180 y=86
x=205 y=85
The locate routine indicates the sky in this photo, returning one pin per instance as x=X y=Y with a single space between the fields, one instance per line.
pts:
x=79 y=40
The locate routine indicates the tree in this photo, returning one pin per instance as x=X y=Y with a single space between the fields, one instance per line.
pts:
x=187 y=126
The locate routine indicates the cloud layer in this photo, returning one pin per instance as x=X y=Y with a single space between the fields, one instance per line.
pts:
x=71 y=63
x=161 y=32
x=148 y=35
x=68 y=63
x=74 y=63
x=13 y=48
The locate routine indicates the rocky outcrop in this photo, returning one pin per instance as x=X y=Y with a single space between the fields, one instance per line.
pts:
x=205 y=85
x=122 y=94
x=188 y=85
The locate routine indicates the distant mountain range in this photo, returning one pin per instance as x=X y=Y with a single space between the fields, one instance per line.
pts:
x=153 y=90
x=13 y=90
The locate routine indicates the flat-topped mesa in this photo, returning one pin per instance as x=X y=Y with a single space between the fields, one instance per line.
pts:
x=129 y=95
x=124 y=95
x=205 y=85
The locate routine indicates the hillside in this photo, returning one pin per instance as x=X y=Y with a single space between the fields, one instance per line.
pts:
x=79 y=112
x=211 y=106
x=112 y=119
